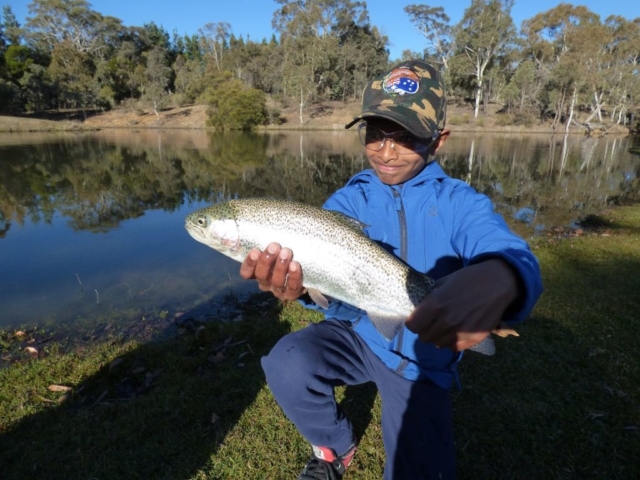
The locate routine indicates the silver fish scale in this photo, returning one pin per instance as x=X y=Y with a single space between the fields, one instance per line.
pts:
x=314 y=234
x=336 y=257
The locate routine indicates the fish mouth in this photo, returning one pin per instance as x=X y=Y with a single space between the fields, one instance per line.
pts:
x=196 y=232
x=203 y=235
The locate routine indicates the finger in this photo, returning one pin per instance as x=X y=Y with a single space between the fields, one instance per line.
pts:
x=423 y=322
x=248 y=266
x=447 y=341
x=281 y=270
x=294 y=281
x=468 y=341
x=265 y=264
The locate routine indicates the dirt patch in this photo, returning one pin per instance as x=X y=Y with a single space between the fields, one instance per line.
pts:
x=20 y=124
x=183 y=117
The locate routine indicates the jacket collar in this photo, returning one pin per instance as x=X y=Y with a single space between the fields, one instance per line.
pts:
x=432 y=171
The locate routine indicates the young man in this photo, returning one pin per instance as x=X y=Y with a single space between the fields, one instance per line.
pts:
x=441 y=226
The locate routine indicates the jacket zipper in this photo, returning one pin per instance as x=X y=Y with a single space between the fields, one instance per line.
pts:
x=402 y=220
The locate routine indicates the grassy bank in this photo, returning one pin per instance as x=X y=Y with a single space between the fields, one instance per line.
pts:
x=561 y=401
x=330 y=115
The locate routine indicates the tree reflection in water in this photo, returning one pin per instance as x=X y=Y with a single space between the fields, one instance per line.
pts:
x=133 y=189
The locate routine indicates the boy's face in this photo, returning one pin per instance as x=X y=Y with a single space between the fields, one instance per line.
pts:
x=391 y=167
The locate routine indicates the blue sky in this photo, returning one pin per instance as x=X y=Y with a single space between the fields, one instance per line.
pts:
x=252 y=18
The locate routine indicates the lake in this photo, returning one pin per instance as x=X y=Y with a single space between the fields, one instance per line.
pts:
x=92 y=224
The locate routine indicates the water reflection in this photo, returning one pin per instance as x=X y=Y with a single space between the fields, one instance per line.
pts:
x=92 y=224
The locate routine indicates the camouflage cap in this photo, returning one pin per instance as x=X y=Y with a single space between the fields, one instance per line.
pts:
x=410 y=94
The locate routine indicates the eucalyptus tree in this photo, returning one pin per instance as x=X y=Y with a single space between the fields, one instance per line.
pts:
x=157 y=76
x=566 y=43
x=434 y=24
x=12 y=32
x=312 y=36
x=485 y=32
x=51 y=22
x=623 y=70
x=214 y=38
x=522 y=89
x=254 y=63
x=363 y=54
x=72 y=39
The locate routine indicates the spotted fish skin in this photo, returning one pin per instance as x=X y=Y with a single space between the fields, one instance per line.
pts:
x=336 y=257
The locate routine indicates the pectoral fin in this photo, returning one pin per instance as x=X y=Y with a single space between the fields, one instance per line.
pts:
x=486 y=347
x=388 y=326
x=318 y=298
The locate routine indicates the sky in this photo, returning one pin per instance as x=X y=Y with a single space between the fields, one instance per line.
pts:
x=252 y=18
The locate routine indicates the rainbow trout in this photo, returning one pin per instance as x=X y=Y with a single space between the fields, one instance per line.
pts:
x=338 y=260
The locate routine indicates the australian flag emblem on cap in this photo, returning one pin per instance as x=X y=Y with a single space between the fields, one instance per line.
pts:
x=401 y=81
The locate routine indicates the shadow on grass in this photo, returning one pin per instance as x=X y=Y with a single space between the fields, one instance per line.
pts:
x=161 y=410
x=358 y=405
x=562 y=400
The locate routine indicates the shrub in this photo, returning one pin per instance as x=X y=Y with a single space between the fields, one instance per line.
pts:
x=504 y=120
x=232 y=106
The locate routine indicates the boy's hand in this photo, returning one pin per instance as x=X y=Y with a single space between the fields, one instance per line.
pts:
x=465 y=306
x=275 y=271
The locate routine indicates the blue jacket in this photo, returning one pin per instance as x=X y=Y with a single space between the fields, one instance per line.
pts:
x=437 y=225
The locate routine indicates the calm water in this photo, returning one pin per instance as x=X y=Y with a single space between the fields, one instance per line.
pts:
x=92 y=225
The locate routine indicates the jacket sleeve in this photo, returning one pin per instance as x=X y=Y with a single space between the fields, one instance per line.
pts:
x=478 y=233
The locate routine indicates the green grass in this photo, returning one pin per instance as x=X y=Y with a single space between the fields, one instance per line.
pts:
x=561 y=401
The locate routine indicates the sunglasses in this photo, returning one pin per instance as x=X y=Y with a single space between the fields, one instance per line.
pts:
x=402 y=141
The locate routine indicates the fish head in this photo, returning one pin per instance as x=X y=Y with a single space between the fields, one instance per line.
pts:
x=215 y=228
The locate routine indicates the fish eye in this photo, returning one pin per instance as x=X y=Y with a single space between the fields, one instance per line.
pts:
x=201 y=221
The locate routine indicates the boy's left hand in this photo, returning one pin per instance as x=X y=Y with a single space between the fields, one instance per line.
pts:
x=465 y=306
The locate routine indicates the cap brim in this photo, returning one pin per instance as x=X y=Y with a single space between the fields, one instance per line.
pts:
x=389 y=116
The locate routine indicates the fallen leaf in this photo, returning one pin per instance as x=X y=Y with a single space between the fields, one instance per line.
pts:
x=44 y=399
x=59 y=388
x=32 y=351
x=151 y=376
x=505 y=332
x=63 y=398
x=217 y=358
x=214 y=418
x=115 y=363
x=19 y=334
x=138 y=370
x=100 y=398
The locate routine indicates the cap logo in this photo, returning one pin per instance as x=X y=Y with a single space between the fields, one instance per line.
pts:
x=401 y=81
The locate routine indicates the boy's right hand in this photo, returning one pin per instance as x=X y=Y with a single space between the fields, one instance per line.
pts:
x=275 y=271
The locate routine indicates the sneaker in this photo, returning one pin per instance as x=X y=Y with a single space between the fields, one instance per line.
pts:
x=325 y=464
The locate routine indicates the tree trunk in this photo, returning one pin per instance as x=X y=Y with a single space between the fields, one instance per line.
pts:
x=478 y=95
x=559 y=109
x=301 y=105
x=571 y=109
